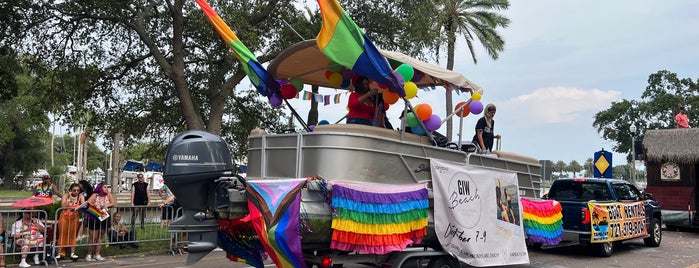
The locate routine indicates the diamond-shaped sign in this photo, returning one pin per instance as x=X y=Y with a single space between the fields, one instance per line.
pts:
x=603 y=160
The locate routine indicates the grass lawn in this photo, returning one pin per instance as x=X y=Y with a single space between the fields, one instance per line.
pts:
x=13 y=192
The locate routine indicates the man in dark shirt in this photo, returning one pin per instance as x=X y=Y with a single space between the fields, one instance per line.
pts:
x=139 y=197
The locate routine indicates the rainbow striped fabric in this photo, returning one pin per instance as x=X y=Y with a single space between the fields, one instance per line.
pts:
x=93 y=212
x=258 y=75
x=346 y=44
x=275 y=213
x=378 y=218
x=543 y=220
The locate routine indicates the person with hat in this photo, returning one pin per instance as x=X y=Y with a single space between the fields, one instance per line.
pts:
x=485 y=129
x=46 y=188
x=681 y=118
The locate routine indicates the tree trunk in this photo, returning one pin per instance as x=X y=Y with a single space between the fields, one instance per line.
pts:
x=113 y=176
x=451 y=44
x=313 y=113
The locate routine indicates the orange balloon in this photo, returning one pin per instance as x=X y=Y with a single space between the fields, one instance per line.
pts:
x=424 y=111
x=463 y=112
x=390 y=97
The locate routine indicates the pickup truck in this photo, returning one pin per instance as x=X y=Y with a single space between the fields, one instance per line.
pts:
x=602 y=212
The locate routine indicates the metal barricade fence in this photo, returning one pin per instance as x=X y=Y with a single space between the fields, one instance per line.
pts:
x=20 y=238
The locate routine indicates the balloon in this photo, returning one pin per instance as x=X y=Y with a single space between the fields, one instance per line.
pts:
x=345 y=83
x=298 y=84
x=417 y=130
x=463 y=112
x=411 y=120
x=274 y=100
x=288 y=91
x=423 y=111
x=335 y=79
x=410 y=90
x=418 y=76
x=347 y=74
x=433 y=123
x=476 y=107
x=406 y=71
x=323 y=122
x=328 y=73
x=311 y=128
x=476 y=96
x=281 y=81
x=390 y=97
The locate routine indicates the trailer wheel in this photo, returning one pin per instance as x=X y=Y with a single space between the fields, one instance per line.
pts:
x=444 y=262
x=605 y=249
x=656 y=234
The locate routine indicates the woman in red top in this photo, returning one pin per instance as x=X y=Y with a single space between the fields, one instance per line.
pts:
x=362 y=108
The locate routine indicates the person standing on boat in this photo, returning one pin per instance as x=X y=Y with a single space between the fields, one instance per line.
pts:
x=362 y=107
x=485 y=129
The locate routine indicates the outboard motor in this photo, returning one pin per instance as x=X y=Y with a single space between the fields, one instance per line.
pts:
x=196 y=161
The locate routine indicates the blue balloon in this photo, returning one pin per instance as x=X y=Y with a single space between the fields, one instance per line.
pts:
x=323 y=122
x=418 y=130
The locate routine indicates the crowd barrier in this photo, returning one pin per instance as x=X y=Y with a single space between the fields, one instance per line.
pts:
x=144 y=224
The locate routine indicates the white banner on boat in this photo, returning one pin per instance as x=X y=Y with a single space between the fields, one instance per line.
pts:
x=470 y=222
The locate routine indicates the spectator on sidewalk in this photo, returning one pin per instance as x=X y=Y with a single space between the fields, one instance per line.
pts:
x=120 y=233
x=140 y=196
x=28 y=233
x=46 y=188
x=69 y=221
x=102 y=199
x=2 y=242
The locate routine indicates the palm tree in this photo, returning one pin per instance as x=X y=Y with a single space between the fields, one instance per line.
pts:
x=472 y=19
x=574 y=167
x=561 y=167
x=589 y=169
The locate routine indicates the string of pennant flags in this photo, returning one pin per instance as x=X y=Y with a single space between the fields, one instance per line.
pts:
x=336 y=98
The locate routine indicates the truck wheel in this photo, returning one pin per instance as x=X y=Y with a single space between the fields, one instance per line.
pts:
x=605 y=249
x=444 y=262
x=656 y=234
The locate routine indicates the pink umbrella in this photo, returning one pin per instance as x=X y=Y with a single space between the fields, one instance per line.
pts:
x=33 y=202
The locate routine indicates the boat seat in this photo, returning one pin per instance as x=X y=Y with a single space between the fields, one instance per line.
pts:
x=371 y=130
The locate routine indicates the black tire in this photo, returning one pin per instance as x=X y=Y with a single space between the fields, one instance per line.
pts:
x=444 y=262
x=656 y=234
x=605 y=249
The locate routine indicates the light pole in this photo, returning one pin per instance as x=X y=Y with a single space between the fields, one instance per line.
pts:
x=632 y=129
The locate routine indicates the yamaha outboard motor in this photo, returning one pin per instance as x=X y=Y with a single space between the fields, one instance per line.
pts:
x=196 y=161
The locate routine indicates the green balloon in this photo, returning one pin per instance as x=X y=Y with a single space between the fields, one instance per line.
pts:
x=406 y=71
x=297 y=83
x=411 y=120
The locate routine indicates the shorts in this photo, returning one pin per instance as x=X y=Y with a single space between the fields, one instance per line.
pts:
x=95 y=224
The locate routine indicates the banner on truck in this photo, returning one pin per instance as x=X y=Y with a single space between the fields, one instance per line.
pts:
x=617 y=221
x=477 y=214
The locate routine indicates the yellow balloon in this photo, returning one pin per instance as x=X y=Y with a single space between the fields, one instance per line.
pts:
x=335 y=79
x=476 y=96
x=410 y=90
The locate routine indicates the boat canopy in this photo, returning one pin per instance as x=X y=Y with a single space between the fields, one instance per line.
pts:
x=306 y=62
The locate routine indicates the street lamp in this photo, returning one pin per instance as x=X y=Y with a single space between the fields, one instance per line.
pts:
x=632 y=129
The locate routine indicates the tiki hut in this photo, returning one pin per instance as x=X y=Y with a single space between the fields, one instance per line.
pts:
x=672 y=164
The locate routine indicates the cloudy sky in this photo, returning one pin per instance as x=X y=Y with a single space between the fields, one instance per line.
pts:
x=564 y=61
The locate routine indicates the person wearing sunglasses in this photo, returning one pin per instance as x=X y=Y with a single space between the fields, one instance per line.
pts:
x=69 y=221
x=485 y=129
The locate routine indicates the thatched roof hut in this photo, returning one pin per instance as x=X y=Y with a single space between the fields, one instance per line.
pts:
x=672 y=145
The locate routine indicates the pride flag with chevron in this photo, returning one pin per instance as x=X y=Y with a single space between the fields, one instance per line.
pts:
x=275 y=212
x=346 y=44
x=258 y=75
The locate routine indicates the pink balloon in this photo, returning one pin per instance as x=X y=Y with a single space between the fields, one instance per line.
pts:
x=275 y=100
x=476 y=107
x=433 y=123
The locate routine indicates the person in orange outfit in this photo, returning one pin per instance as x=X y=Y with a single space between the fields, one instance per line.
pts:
x=69 y=221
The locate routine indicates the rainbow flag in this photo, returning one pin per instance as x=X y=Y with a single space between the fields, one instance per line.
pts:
x=378 y=218
x=346 y=44
x=93 y=212
x=237 y=237
x=275 y=213
x=543 y=221
x=258 y=75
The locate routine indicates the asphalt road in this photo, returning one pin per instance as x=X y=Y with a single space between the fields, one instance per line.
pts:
x=678 y=249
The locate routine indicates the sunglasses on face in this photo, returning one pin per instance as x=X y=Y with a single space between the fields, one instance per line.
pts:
x=491 y=110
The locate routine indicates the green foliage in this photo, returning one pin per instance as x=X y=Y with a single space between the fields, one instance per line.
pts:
x=574 y=167
x=659 y=103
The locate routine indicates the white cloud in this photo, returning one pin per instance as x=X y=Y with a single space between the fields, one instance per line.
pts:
x=558 y=105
